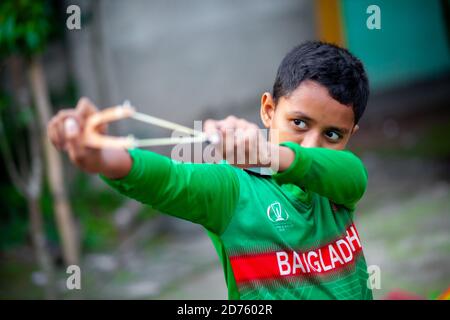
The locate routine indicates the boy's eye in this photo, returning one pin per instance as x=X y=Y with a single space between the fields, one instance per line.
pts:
x=300 y=123
x=332 y=135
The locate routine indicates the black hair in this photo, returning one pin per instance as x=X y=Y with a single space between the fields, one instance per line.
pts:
x=333 y=67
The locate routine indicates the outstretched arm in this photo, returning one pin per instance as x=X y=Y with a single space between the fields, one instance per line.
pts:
x=336 y=174
x=202 y=193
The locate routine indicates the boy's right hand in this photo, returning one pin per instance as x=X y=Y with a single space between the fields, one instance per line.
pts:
x=65 y=131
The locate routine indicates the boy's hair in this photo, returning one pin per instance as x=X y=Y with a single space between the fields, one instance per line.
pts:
x=333 y=67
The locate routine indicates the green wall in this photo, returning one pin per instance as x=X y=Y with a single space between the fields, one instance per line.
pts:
x=411 y=45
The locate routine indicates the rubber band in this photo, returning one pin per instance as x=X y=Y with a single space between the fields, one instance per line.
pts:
x=96 y=140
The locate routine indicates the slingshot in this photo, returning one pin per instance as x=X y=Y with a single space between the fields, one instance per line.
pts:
x=94 y=139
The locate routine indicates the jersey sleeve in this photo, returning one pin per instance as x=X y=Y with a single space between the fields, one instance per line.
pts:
x=206 y=194
x=338 y=175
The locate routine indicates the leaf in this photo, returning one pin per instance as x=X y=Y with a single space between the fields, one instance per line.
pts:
x=32 y=40
x=9 y=28
x=25 y=26
x=25 y=116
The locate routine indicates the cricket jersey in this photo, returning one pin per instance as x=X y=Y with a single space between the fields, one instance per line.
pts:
x=289 y=235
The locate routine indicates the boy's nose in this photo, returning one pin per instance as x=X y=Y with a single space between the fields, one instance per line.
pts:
x=311 y=140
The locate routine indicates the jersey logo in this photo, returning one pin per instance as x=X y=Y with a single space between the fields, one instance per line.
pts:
x=276 y=214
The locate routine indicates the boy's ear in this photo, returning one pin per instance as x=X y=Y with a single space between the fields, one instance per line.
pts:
x=355 y=128
x=267 y=109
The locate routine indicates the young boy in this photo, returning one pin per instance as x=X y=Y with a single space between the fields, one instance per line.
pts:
x=289 y=235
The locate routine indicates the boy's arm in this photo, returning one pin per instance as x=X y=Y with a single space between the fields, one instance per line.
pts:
x=337 y=175
x=202 y=193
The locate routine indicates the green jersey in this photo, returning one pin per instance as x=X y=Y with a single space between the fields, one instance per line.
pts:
x=285 y=236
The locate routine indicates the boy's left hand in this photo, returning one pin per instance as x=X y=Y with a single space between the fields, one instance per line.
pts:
x=244 y=145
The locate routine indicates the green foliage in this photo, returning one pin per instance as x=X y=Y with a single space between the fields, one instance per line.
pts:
x=13 y=220
x=25 y=26
x=13 y=216
x=93 y=208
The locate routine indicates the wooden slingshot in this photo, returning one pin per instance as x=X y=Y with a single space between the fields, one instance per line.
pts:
x=92 y=138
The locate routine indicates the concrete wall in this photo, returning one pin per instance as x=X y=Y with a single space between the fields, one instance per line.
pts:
x=185 y=60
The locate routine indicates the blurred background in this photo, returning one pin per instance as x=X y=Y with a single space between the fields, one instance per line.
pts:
x=192 y=60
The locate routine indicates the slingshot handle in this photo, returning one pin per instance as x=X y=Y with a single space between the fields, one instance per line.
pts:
x=92 y=138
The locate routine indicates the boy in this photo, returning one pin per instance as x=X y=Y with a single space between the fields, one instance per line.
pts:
x=289 y=235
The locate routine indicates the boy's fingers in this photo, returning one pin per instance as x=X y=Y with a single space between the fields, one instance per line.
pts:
x=59 y=130
x=228 y=124
x=229 y=132
x=55 y=128
x=71 y=129
x=85 y=108
x=210 y=127
x=52 y=134
x=232 y=123
x=68 y=129
x=74 y=143
x=76 y=152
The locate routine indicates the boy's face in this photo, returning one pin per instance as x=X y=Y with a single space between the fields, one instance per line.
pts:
x=309 y=117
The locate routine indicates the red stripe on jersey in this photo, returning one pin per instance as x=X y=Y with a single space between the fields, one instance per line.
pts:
x=288 y=263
